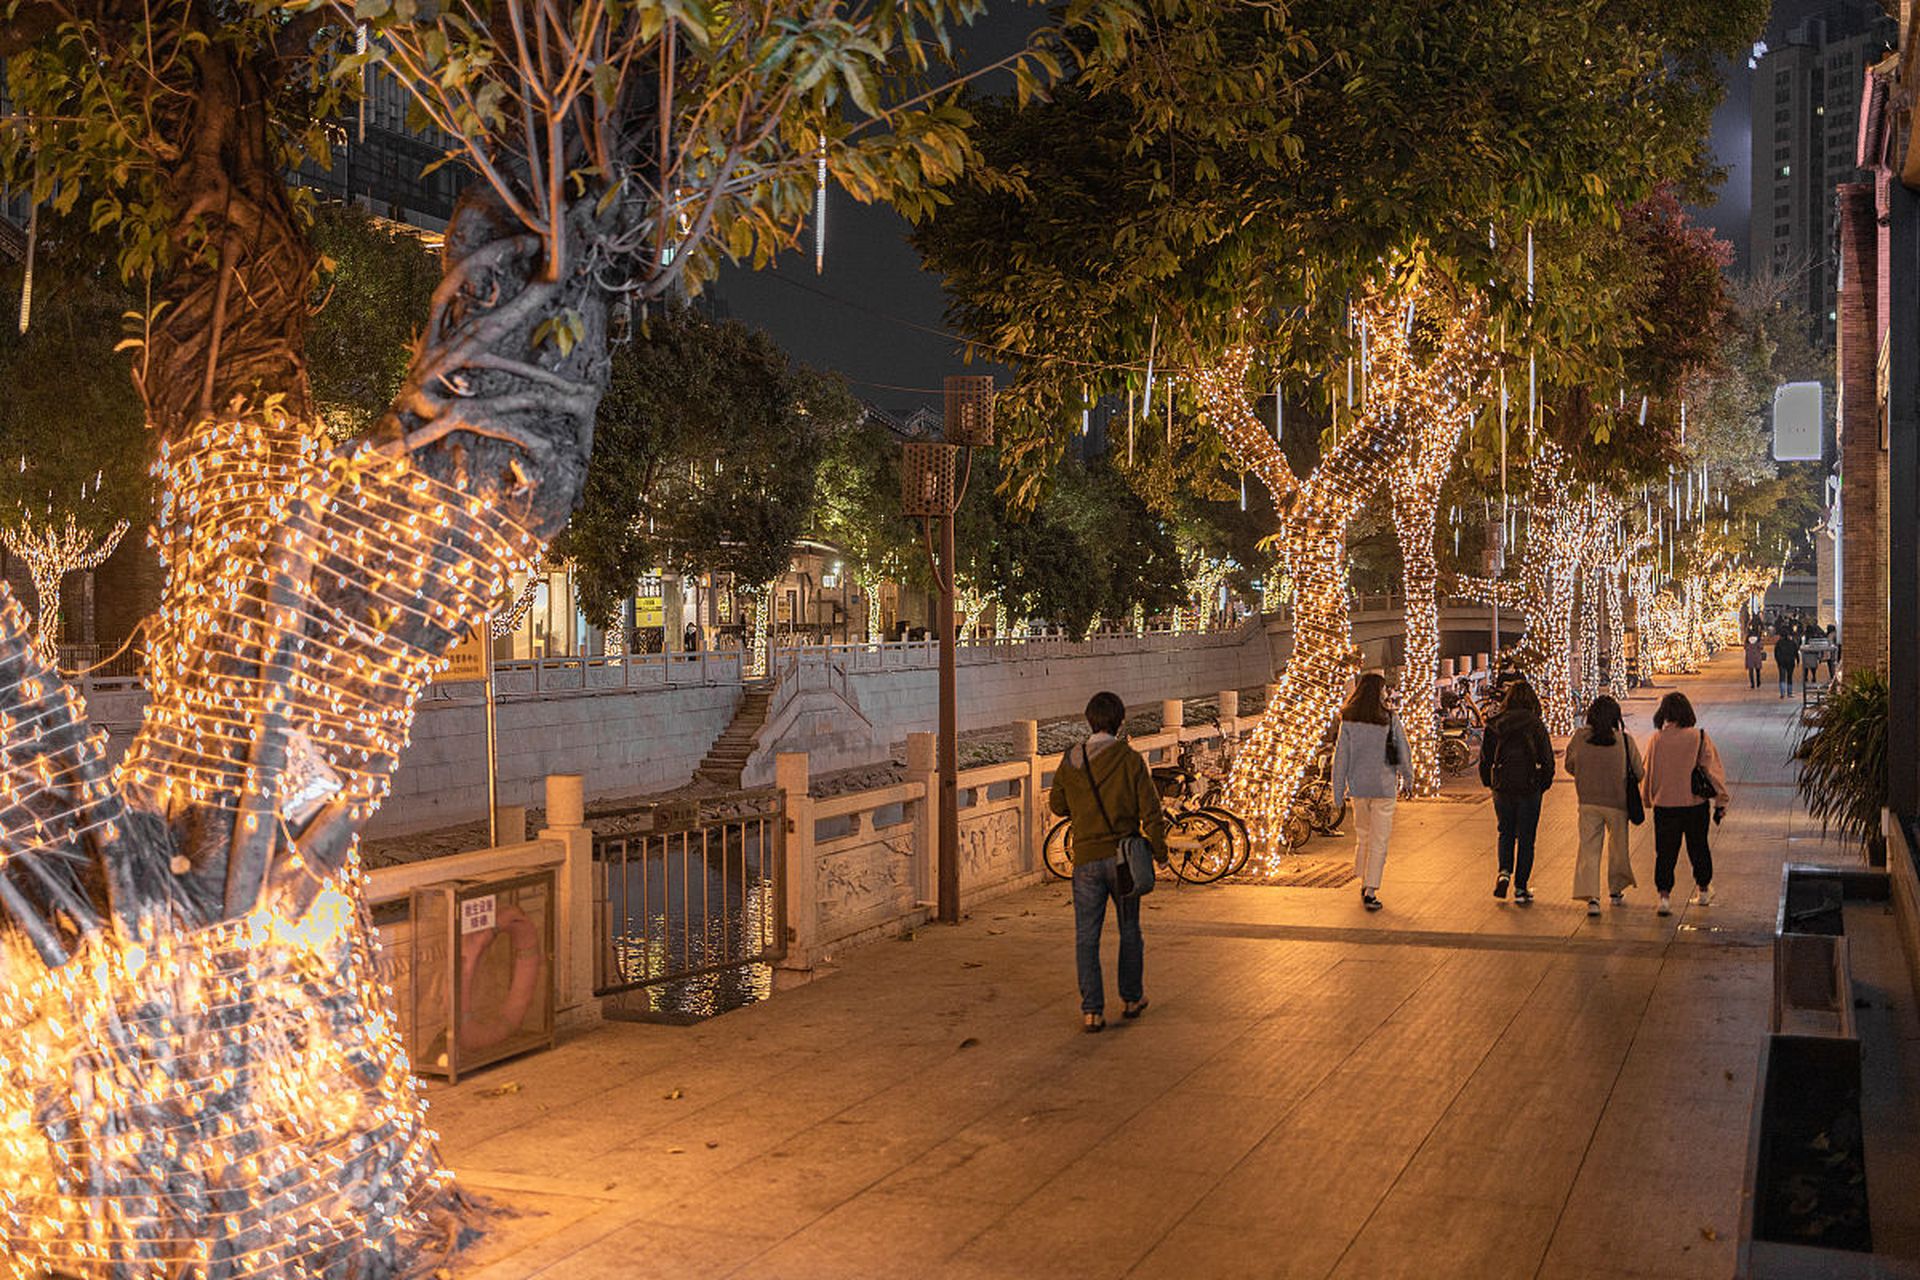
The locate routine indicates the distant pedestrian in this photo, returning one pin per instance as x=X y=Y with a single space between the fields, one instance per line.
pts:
x=690 y=638
x=1833 y=652
x=1605 y=767
x=1682 y=762
x=1786 y=655
x=1756 y=658
x=1516 y=761
x=1371 y=762
x=1107 y=790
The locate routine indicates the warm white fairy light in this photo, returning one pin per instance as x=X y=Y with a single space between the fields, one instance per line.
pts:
x=51 y=552
x=1406 y=387
x=181 y=1098
x=1568 y=525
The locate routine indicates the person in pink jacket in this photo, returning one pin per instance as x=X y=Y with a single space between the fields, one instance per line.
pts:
x=1680 y=813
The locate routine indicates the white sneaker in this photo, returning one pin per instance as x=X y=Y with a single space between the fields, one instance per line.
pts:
x=1703 y=897
x=1593 y=906
x=1666 y=906
x=1619 y=896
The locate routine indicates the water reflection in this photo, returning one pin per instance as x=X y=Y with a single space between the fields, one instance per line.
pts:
x=694 y=915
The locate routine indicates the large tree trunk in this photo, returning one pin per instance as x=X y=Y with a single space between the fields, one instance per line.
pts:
x=213 y=1069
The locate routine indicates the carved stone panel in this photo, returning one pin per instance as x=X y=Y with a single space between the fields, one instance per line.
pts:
x=990 y=847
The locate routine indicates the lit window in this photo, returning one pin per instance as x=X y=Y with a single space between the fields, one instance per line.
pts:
x=1785 y=169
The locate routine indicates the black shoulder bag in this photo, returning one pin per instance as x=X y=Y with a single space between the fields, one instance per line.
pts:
x=1702 y=782
x=1636 y=807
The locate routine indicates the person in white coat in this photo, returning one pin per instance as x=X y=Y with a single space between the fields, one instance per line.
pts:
x=1371 y=763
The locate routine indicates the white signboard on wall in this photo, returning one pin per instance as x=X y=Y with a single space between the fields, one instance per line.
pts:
x=1799 y=422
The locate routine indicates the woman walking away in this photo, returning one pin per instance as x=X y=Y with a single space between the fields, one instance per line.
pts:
x=1756 y=659
x=1516 y=760
x=1605 y=767
x=1107 y=790
x=1370 y=762
x=1786 y=652
x=1684 y=780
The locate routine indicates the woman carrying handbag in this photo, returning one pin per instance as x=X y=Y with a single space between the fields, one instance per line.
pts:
x=1687 y=786
x=1605 y=766
x=1107 y=790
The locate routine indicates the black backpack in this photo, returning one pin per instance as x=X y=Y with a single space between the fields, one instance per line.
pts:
x=1515 y=765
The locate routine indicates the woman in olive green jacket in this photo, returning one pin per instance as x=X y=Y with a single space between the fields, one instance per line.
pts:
x=1107 y=790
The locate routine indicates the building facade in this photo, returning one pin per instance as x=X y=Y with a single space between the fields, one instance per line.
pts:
x=1806 y=99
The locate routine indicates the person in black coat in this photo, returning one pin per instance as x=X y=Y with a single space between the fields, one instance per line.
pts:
x=1516 y=761
x=1786 y=656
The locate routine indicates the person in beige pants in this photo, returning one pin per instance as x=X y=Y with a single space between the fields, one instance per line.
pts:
x=1604 y=764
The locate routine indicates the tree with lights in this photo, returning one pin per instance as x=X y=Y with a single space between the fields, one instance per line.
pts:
x=199 y=1072
x=1197 y=218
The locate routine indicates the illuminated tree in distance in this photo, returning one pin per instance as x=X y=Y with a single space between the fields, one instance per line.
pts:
x=51 y=552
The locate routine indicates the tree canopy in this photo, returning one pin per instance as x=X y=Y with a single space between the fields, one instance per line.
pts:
x=709 y=446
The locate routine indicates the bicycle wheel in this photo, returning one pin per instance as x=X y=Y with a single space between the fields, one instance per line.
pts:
x=1297 y=831
x=1454 y=756
x=1057 y=850
x=1199 y=846
x=1237 y=828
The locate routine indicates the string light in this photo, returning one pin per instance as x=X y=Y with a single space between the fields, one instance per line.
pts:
x=51 y=552
x=1406 y=388
x=214 y=1083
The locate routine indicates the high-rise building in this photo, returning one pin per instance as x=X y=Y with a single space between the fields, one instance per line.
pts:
x=1806 y=97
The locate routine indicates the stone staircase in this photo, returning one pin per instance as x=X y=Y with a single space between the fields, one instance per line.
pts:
x=727 y=758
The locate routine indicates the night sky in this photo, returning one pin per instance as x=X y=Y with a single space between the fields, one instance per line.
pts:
x=876 y=318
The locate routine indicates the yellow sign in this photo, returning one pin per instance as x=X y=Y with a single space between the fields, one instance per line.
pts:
x=467 y=660
x=650 y=605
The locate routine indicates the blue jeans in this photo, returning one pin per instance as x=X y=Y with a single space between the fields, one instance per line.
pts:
x=1519 y=819
x=1093 y=884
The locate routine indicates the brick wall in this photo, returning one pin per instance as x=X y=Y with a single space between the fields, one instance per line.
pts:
x=1863 y=463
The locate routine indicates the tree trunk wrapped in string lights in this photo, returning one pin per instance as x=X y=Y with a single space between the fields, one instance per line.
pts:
x=51 y=552
x=1422 y=362
x=1566 y=523
x=1414 y=485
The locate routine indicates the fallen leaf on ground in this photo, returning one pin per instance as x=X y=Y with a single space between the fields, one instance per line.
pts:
x=676 y=1151
x=969 y=1042
x=673 y=1094
x=501 y=1090
x=1708 y=1233
x=711 y=1145
x=973 y=964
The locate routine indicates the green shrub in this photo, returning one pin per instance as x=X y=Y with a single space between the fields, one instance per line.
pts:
x=1843 y=758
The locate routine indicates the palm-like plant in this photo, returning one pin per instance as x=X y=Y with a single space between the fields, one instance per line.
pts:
x=1843 y=758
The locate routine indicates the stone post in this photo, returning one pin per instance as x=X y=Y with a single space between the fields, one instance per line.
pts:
x=923 y=768
x=801 y=866
x=1026 y=745
x=510 y=824
x=1172 y=716
x=573 y=958
x=1229 y=711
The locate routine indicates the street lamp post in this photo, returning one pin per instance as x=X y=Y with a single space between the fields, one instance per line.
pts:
x=932 y=487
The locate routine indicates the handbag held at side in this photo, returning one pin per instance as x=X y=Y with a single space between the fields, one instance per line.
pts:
x=1636 y=807
x=1702 y=783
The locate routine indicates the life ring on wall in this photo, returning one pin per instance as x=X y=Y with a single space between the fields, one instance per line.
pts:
x=480 y=1030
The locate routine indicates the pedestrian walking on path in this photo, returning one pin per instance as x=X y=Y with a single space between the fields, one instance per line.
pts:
x=1606 y=769
x=1686 y=787
x=1371 y=762
x=1516 y=761
x=1756 y=658
x=1786 y=653
x=1107 y=790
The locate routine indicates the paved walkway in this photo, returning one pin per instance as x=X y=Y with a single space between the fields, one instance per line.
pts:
x=1452 y=1087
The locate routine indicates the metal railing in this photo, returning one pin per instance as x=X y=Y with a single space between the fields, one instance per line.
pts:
x=695 y=907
